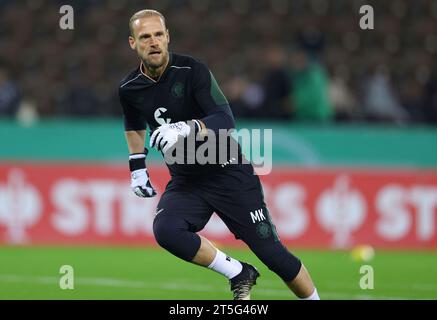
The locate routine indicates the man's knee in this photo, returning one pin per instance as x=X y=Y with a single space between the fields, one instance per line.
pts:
x=278 y=259
x=172 y=233
x=163 y=229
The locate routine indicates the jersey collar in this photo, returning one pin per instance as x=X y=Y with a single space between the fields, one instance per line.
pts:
x=163 y=75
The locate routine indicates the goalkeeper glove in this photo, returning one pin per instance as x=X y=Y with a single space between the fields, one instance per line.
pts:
x=167 y=134
x=140 y=181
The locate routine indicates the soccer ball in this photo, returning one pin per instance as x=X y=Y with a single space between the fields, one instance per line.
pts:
x=363 y=253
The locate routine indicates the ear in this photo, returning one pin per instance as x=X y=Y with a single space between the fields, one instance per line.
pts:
x=132 y=43
x=168 y=36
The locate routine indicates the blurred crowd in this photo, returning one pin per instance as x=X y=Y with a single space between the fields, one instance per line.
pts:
x=298 y=60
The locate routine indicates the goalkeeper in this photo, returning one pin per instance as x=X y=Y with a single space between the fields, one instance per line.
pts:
x=177 y=96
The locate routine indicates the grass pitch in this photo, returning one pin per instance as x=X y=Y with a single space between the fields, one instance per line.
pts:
x=152 y=273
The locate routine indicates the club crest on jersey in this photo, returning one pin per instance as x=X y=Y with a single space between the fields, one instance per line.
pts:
x=263 y=230
x=177 y=90
x=159 y=116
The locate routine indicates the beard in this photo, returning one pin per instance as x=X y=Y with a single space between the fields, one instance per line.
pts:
x=154 y=63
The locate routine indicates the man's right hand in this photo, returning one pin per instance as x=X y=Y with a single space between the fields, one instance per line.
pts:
x=140 y=184
x=140 y=181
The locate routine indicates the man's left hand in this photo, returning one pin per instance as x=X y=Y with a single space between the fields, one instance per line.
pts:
x=167 y=135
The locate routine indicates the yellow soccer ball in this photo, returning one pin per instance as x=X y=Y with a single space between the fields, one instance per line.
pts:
x=363 y=253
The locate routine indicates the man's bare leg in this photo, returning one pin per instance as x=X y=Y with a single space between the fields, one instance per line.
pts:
x=211 y=257
x=206 y=254
x=242 y=276
x=302 y=286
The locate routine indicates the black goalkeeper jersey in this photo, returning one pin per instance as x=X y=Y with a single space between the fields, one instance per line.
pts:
x=186 y=90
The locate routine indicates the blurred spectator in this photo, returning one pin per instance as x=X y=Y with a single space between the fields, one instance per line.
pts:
x=310 y=89
x=411 y=98
x=312 y=40
x=81 y=101
x=380 y=101
x=245 y=97
x=27 y=114
x=235 y=89
x=277 y=86
x=242 y=42
x=430 y=99
x=341 y=95
x=9 y=94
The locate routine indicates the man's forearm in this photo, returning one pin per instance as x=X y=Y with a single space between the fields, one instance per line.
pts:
x=135 y=141
x=140 y=182
x=217 y=121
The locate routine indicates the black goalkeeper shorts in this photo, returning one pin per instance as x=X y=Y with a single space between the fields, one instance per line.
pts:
x=234 y=194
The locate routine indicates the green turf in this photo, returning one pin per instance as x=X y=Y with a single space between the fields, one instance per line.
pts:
x=152 y=273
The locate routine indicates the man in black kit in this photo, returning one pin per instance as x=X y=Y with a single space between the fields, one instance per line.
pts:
x=176 y=96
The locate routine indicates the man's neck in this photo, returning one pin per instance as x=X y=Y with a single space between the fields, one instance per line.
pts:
x=154 y=73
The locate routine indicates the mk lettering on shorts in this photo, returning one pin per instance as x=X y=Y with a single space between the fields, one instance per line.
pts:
x=257 y=215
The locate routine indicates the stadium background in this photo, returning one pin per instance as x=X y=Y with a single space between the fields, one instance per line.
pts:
x=353 y=114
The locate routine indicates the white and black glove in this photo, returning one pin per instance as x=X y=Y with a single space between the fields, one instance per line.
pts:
x=140 y=181
x=167 y=134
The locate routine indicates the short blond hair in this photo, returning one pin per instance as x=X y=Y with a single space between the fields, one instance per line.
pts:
x=144 y=14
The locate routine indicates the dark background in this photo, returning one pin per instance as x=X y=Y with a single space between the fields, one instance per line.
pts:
x=299 y=60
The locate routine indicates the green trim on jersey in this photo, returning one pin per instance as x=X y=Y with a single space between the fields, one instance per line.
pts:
x=269 y=218
x=216 y=93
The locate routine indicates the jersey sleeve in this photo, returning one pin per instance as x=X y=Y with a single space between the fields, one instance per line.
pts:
x=133 y=119
x=212 y=100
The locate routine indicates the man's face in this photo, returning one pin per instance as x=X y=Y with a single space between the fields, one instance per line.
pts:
x=150 y=40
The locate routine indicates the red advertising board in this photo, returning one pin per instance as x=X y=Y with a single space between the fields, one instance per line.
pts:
x=92 y=204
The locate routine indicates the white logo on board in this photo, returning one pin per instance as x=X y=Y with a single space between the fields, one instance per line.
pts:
x=341 y=210
x=20 y=206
